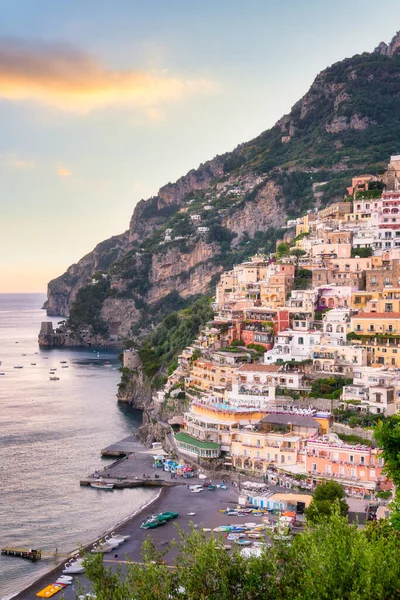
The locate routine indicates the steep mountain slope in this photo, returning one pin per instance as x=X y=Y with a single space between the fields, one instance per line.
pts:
x=347 y=123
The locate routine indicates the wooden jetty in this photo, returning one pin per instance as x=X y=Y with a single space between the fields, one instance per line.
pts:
x=29 y=554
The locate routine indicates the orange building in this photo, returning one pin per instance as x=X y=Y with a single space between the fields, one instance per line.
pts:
x=355 y=466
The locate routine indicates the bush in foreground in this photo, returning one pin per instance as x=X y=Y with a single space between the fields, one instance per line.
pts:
x=332 y=560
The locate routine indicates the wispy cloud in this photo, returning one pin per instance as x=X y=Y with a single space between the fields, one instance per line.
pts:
x=22 y=164
x=63 y=76
x=62 y=172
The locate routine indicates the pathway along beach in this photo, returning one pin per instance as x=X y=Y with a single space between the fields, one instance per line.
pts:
x=206 y=505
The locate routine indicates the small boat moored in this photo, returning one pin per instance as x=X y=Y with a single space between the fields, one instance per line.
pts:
x=101 y=485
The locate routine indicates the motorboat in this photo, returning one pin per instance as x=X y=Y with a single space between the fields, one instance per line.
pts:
x=2 y=373
x=113 y=542
x=33 y=364
x=118 y=535
x=101 y=548
x=74 y=567
x=63 y=581
x=196 y=488
x=63 y=362
x=54 y=378
x=100 y=484
x=18 y=367
x=64 y=367
x=243 y=542
x=191 y=514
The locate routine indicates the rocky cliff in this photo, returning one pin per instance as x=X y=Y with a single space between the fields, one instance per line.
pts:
x=180 y=240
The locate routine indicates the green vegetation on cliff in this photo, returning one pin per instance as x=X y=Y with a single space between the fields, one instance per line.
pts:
x=175 y=332
x=86 y=309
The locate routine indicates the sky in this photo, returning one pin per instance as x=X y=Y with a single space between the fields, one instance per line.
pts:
x=104 y=101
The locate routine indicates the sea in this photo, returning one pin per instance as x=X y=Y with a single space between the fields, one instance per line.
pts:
x=51 y=434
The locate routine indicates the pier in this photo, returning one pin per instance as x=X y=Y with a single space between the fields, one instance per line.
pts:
x=134 y=467
x=28 y=554
x=128 y=445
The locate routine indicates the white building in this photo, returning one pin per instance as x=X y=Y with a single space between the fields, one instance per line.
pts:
x=293 y=345
x=374 y=390
x=256 y=385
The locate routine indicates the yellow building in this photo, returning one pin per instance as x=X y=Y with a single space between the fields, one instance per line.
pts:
x=360 y=299
x=278 y=441
x=384 y=354
x=376 y=324
x=213 y=376
x=303 y=224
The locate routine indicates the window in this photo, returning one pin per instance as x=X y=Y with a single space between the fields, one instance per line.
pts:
x=258 y=454
x=362 y=460
x=387 y=281
x=245 y=452
x=358 y=327
x=351 y=458
x=314 y=467
x=373 y=280
x=258 y=443
x=300 y=341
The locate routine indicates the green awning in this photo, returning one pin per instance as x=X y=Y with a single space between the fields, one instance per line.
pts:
x=188 y=439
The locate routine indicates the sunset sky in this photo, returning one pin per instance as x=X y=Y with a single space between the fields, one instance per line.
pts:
x=104 y=101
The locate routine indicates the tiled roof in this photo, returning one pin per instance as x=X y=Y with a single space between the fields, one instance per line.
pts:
x=377 y=315
x=260 y=368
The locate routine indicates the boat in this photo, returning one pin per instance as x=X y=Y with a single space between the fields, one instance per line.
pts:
x=101 y=485
x=191 y=514
x=113 y=542
x=54 y=378
x=254 y=536
x=124 y=537
x=64 y=367
x=63 y=362
x=243 y=542
x=2 y=373
x=196 y=488
x=33 y=364
x=74 y=567
x=18 y=367
x=101 y=548
x=212 y=487
x=62 y=581
x=49 y=590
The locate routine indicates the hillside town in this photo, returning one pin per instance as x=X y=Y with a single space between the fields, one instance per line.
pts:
x=302 y=348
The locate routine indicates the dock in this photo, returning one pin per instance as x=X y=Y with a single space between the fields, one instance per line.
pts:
x=134 y=467
x=128 y=445
x=28 y=554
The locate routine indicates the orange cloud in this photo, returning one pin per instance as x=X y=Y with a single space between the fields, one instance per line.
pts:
x=62 y=76
x=22 y=164
x=61 y=172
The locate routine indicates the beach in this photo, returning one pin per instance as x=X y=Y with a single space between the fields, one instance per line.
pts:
x=206 y=505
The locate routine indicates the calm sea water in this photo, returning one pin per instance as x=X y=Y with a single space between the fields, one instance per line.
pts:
x=51 y=433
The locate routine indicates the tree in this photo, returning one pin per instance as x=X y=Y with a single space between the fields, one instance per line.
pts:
x=387 y=434
x=331 y=559
x=283 y=249
x=361 y=252
x=328 y=498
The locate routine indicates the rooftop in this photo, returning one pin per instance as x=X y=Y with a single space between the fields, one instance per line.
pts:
x=260 y=368
x=299 y=420
x=188 y=439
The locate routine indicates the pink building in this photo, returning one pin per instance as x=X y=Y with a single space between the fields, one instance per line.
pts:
x=355 y=466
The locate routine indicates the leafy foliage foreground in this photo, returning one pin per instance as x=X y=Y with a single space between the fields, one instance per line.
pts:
x=332 y=560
